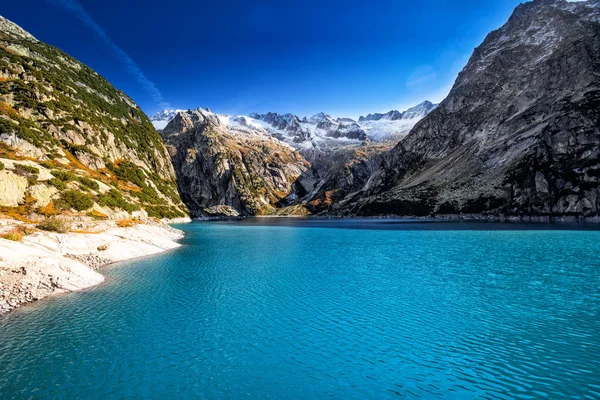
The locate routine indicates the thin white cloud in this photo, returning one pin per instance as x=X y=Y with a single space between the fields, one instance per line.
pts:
x=75 y=8
x=420 y=76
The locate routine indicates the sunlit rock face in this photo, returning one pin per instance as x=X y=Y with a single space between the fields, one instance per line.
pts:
x=229 y=172
x=227 y=161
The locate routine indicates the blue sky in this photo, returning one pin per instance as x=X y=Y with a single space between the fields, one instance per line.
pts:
x=347 y=58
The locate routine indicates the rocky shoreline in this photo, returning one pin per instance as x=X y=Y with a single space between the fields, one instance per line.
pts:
x=45 y=263
x=444 y=217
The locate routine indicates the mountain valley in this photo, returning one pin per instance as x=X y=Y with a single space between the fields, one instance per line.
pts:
x=327 y=153
x=517 y=136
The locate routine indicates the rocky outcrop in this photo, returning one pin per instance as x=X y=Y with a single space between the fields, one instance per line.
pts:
x=221 y=212
x=228 y=172
x=43 y=194
x=337 y=173
x=519 y=133
x=161 y=119
x=350 y=130
x=12 y=189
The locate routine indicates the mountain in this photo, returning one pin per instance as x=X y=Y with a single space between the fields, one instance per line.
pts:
x=71 y=143
x=519 y=133
x=321 y=132
x=228 y=169
x=287 y=126
x=318 y=133
x=417 y=112
x=394 y=125
x=390 y=115
x=278 y=163
x=160 y=119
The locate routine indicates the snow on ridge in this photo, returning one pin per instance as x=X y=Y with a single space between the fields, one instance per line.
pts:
x=385 y=130
x=320 y=131
x=162 y=118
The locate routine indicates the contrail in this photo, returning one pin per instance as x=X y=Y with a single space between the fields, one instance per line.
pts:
x=74 y=7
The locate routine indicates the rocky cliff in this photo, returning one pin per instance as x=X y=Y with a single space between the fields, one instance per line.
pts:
x=72 y=143
x=208 y=148
x=519 y=133
x=227 y=171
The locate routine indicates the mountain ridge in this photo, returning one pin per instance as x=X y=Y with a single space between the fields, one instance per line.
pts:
x=314 y=156
x=302 y=129
x=71 y=143
x=222 y=172
x=518 y=134
x=420 y=110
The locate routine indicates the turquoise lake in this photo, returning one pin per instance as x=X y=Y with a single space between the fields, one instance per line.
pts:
x=351 y=309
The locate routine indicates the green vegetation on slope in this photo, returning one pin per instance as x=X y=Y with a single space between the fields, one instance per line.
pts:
x=94 y=139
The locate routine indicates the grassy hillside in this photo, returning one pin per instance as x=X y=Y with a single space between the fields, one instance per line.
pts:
x=70 y=143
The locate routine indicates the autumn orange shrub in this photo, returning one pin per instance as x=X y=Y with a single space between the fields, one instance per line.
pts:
x=21 y=212
x=7 y=109
x=97 y=215
x=127 y=223
x=7 y=152
x=15 y=235
x=18 y=233
x=48 y=210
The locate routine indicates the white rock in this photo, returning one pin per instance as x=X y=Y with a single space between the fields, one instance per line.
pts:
x=12 y=189
x=43 y=194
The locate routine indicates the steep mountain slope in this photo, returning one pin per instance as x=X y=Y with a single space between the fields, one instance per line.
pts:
x=229 y=172
x=519 y=133
x=71 y=143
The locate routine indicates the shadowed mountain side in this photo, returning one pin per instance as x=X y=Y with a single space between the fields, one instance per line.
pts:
x=519 y=133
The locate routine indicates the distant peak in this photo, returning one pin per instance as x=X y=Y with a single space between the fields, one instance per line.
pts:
x=417 y=111
x=320 y=117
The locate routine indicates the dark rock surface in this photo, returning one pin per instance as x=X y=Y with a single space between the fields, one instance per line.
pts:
x=519 y=133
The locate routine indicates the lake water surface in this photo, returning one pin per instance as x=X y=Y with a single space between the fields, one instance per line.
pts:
x=291 y=309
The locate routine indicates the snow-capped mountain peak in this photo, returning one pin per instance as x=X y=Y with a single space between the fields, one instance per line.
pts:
x=419 y=111
x=160 y=119
x=320 y=117
x=394 y=124
x=321 y=131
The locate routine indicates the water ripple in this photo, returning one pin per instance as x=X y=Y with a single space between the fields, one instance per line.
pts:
x=250 y=311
